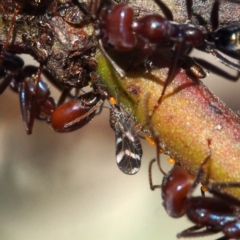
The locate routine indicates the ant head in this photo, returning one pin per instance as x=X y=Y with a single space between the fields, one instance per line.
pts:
x=178 y=185
x=115 y=28
x=175 y=187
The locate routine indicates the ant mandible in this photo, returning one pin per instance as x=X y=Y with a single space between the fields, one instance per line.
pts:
x=210 y=214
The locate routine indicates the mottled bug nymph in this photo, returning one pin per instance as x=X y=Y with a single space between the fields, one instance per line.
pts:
x=128 y=145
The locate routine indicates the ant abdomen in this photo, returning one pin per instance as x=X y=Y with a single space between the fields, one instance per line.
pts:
x=226 y=40
x=66 y=113
x=75 y=114
x=175 y=186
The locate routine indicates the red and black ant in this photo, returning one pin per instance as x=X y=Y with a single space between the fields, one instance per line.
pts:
x=210 y=214
x=118 y=30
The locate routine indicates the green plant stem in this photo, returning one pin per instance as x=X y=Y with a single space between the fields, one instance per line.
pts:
x=188 y=116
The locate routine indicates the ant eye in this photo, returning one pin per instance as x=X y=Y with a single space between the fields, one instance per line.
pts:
x=170 y=178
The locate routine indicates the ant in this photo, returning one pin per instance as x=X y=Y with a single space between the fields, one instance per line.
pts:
x=210 y=214
x=64 y=117
x=118 y=30
x=140 y=34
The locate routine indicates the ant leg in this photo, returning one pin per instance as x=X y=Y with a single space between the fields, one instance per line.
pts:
x=100 y=108
x=64 y=94
x=189 y=4
x=171 y=73
x=28 y=101
x=119 y=70
x=224 y=60
x=165 y=9
x=5 y=83
x=215 y=188
x=191 y=232
x=214 y=17
x=24 y=100
x=192 y=67
x=200 y=172
x=217 y=70
x=11 y=69
x=35 y=95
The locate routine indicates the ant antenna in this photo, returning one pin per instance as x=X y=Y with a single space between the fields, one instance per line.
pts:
x=171 y=73
x=152 y=187
x=214 y=17
x=189 y=4
x=165 y=9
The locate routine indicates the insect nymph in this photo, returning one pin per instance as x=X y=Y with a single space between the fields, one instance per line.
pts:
x=128 y=145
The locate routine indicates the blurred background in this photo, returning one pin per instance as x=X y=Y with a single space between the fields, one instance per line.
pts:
x=67 y=186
